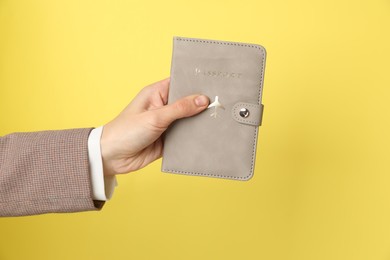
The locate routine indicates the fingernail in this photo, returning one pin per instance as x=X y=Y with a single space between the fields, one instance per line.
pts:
x=201 y=101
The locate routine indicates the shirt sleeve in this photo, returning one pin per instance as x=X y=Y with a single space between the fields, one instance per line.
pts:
x=102 y=186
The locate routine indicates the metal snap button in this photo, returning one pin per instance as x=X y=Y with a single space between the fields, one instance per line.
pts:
x=244 y=112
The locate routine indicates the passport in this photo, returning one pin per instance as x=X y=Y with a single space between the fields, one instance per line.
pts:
x=221 y=141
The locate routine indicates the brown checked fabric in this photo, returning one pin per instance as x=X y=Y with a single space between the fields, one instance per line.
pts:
x=44 y=172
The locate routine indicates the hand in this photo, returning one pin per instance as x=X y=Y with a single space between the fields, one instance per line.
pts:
x=133 y=139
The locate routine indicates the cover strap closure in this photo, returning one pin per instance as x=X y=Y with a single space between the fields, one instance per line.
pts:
x=249 y=114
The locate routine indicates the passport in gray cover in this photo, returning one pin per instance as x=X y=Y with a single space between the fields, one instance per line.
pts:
x=221 y=141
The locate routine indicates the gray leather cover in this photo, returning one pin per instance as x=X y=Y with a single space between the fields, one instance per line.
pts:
x=219 y=142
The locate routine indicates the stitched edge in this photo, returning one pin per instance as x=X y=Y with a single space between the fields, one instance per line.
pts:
x=220 y=42
x=206 y=174
x=247 y=177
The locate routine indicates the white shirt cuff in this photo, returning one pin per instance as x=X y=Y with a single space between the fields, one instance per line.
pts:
x=102 y=186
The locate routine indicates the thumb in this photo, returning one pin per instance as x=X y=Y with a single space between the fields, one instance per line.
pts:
x=184 y=107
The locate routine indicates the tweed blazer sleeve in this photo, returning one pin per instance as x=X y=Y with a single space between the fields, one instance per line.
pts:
x=45 y=172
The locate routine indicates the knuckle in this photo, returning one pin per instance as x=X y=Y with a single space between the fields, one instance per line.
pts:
x=155 y=120
x=183 y=107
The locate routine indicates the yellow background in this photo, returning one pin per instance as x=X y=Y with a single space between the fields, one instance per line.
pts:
x=321 y=189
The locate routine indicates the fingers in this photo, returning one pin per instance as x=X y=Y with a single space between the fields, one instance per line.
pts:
x=185 y=107
x=154 y=98
x=150 y=97
x=163 y=89
x=158 y=89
